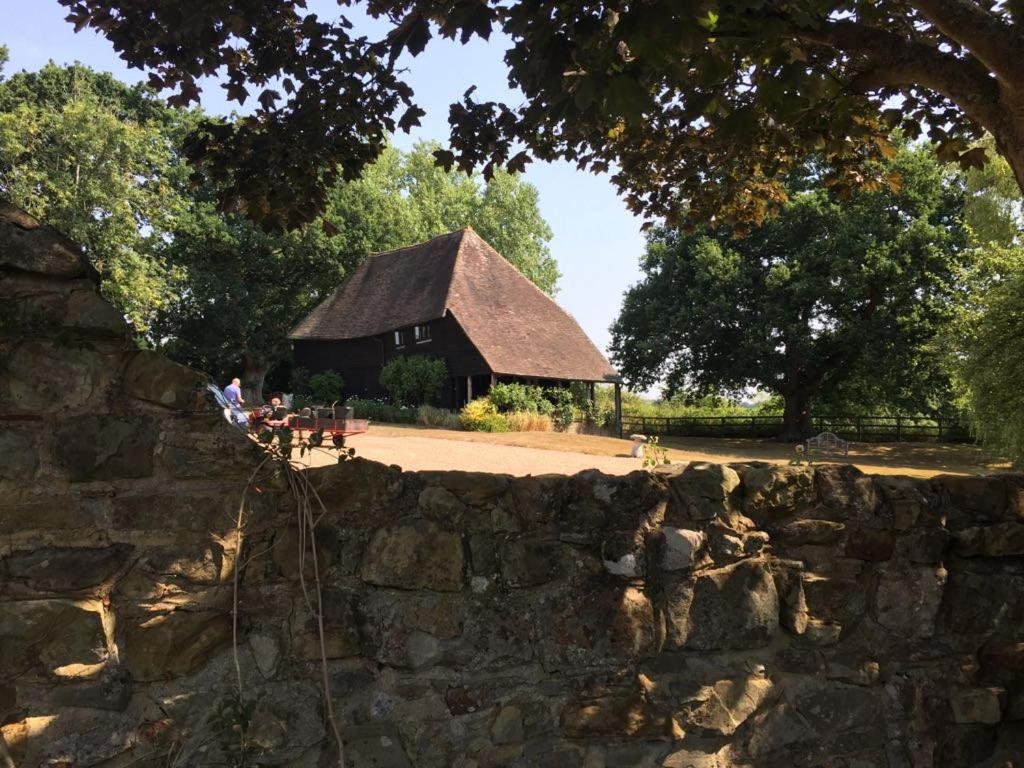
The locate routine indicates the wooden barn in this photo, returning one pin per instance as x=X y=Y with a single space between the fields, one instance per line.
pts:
x=453 y=297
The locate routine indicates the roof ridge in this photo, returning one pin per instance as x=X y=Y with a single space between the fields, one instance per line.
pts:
x=371 y=254
x=455 y=267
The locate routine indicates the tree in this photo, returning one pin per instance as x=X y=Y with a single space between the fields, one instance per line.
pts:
x=239 y=289
x=700 y=108
x=81 y=160
x=984 y=345
x=829 y=299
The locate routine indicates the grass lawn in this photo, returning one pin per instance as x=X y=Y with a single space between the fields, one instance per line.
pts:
x=916 y=459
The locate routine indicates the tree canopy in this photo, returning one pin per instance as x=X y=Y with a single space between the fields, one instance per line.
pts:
x=102 y=161
x=98 y=160
x=698 y=109
x=830 y=301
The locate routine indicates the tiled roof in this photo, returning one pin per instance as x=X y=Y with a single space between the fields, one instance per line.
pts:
x=517 y=328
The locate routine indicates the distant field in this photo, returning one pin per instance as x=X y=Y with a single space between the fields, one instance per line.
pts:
x=417 y=448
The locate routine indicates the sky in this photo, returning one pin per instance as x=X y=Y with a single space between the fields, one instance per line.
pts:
x=597 y=241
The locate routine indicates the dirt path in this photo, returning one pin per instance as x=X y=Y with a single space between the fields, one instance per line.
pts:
x=536 y=453
x=414 y=452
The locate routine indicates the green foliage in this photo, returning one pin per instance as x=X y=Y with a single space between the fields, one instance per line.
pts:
x=103 y=161
x=326 y=388
x=701 y=109
x=992 y=364
x=404 y=198
x=481 y=415
x=833 y=301
x=514 y=396
x=231 y=722
x=298 y=381
x=564 y=411
x=655 y=454
x=414 y=380
x=377 y=410
x=983 y=346
x=97 y=160
x=441 y=418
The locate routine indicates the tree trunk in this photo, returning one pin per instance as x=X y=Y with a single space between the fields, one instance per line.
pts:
x=255 y=371
x=796 y=415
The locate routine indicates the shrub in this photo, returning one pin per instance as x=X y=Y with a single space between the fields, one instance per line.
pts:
x=326 y=388
x=414 y=380
x=482 y=415
x=564 y=411
x=429 y=416
x=525 y=421
x=298 y=382
x=377 y=410
x=513 y=398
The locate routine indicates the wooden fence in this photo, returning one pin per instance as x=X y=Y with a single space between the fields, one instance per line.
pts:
x=867 y=429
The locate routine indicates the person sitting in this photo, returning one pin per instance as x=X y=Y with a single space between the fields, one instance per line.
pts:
x=277 y=411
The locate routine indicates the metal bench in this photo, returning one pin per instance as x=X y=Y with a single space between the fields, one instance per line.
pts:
x=828 y=442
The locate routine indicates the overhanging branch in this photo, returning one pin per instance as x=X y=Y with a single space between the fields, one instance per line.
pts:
x=993 y=42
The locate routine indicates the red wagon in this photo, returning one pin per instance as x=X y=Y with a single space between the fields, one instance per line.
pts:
x=336 y=423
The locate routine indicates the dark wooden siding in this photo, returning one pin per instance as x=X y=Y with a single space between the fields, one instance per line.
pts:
x=359 y=361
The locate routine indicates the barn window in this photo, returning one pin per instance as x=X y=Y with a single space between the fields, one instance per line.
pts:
x=422 y=333
x=399 y=338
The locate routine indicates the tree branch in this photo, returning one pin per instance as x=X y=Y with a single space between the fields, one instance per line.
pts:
x=988 y=38
x=894 y=61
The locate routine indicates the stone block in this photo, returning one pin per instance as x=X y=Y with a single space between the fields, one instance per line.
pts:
x=47 y=377
x=974 y=501
x=417 y=556
x=680 y=548
x=775 y=492
x=106 y=447
x=925 y=546
x=530 y=562
x=27 y=245
x=908 y=598
x=846 y=492
x=623 y=554
x=618 y=715
x=374 y=746
x=440 y=504
x=40 y=637
x=67 y=569
x=869 y=544
x=20 y=449
x=152 y=377
x=733 y=607
x=726 y=705
x=507 y=727
x=472 y=488
x=174 y=644
x=977 y=705
x=701 y=491
x=205 y=512
x=809 y=531
x=340 y=625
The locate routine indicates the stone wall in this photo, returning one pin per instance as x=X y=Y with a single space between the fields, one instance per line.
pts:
x=701 y=617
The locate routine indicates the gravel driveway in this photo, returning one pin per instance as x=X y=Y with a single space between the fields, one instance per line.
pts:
x=412 y=452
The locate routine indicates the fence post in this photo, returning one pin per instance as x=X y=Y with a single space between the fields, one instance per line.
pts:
x=939 y=422
x=860 y=431
x=899 y=428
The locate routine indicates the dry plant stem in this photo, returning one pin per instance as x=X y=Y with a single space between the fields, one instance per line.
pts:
x=301 y=487
x=239 y=525
x=6 y=761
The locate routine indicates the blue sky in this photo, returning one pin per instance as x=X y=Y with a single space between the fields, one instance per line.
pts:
x=597 y=241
